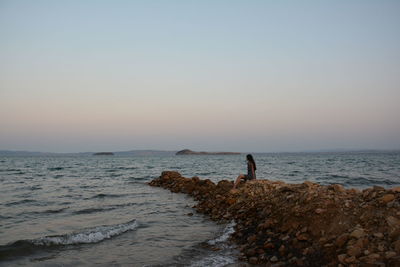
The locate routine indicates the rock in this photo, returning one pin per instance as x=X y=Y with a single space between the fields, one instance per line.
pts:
x=252 y=238
x=378 y=235
x=341 y=258
x=350 y=259
x=357 y=233
x=390 y=254
x=393 y=222
x=337 y=188
x=396 y=246
x=268 y=245
x=231 y=201
x=354 y=251
x=374 y=256
x=302 y=237
x=387 y=198
x=170 y=174
x=341 y=240
x=282 y=250
x=319 y=211
x=378 y=188
x=274 y=259
x=250 y=252
x=395 y=189
x=253 y=260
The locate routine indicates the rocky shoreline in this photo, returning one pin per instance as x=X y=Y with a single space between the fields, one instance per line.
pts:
x=280 y=224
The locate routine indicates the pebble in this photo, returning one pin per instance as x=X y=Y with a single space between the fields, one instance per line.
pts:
x=341 y=258
x=274 y=259
x=357 y=233
x=390 y=254
x=378 y=235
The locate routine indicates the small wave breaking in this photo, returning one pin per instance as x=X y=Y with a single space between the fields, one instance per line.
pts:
x=225 y=254
x=229 y=229
x=90 y=235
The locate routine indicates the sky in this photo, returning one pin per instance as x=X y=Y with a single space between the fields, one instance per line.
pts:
x=246 y=76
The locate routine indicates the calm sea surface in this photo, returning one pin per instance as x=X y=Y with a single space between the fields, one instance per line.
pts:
x=98 y=210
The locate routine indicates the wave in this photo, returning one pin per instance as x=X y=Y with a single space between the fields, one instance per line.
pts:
x=10 y=170
x=93 y=210
x=90 y=235
x=55 y=169
x=24 y=201
x=225 y=256
x=368 y=182
x=49 y=211
x=107 y=208
x=229 y=229
x=214 y=261
x=102 y=195
x=127 y=168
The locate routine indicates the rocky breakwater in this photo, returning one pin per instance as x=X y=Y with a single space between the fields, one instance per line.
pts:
x=280 y=224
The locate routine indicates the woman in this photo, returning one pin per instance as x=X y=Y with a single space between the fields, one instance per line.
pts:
x=251 y=171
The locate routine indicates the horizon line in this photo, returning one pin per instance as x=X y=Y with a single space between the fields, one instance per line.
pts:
x=336 y=150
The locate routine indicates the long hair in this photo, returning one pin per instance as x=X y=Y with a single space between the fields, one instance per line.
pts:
x=250 y=158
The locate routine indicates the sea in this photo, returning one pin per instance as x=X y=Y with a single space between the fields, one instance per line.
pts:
x=100 y=211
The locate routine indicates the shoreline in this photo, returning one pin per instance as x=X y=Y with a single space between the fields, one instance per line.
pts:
x=304 y=224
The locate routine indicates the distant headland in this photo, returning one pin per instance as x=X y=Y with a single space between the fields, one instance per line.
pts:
x=190 y=152
x=103 y=154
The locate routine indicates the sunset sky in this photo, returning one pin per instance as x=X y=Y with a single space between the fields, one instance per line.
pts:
x=248 y=76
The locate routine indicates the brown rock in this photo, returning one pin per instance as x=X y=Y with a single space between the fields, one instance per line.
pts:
x=319 y=211
x=357 y=233
x=374 y=256
x=274 y=259
x=282 y=250
x=268 y=245
x=354 y=251
x=341 y=240
x=396 y=189
x=378 y=235
x=337 y=188
x=393 y=222
x=250 y=252
x=252 y=238
x=302 y=237
x=341 y=258
x=231 y=201
x=390 y=254
x=396 y=246
x=350 y=259
x=253 y=260
x=387 y=198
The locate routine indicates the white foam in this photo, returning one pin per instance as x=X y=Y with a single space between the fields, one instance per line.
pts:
x=229 y=229
x=214 y=261
x=223 y=257
x=91 y=235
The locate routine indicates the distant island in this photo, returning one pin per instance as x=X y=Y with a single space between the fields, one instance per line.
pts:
x=103 y=154
x=190 y=152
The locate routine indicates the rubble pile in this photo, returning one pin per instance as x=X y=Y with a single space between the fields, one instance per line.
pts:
x=280 y=224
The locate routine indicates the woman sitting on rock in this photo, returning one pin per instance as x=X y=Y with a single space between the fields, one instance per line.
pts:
x=251 y=171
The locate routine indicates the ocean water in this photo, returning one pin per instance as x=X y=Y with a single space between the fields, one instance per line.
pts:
x=98 y=210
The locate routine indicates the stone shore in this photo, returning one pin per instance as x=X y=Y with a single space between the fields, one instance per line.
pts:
x=280 y=224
